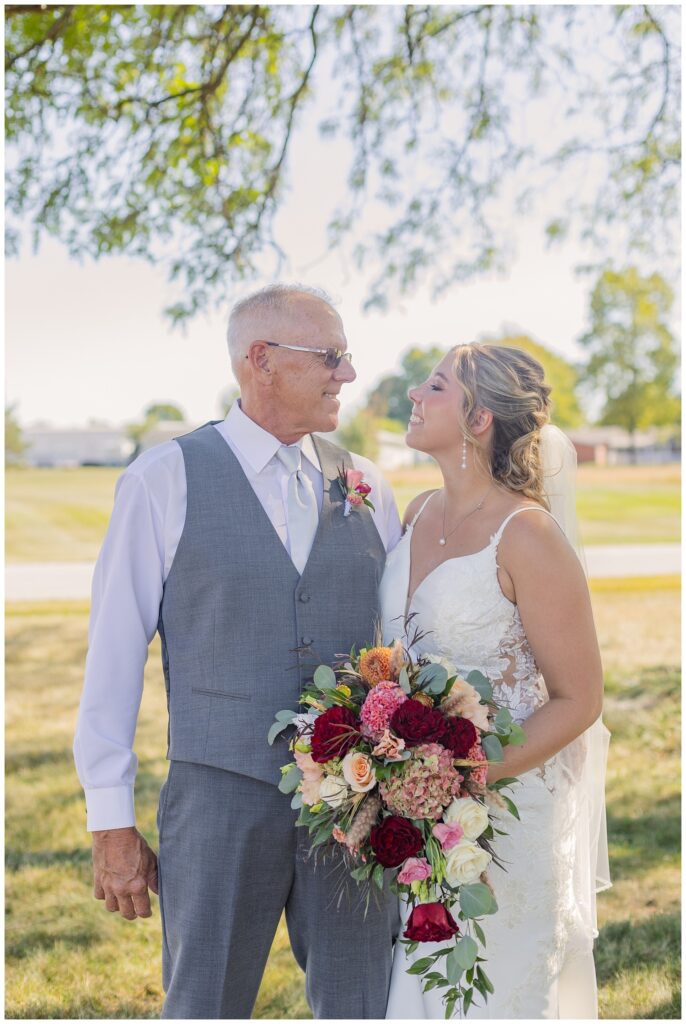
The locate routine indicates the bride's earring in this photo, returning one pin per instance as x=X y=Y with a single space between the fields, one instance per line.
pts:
x=463 y=464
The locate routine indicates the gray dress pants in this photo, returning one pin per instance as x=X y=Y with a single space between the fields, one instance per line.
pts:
x=230 y=861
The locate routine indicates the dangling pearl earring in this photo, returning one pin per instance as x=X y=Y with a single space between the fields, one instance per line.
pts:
x=463 y=464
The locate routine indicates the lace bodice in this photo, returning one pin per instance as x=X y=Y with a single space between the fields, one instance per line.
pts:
x=467 y=619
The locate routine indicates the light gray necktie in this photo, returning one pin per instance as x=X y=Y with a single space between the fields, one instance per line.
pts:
x=303 y=514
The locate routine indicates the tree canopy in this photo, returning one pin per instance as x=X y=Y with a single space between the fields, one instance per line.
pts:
x=632 y=358
x=164 y=131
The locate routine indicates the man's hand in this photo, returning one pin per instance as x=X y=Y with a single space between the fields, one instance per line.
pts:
x=123 y=868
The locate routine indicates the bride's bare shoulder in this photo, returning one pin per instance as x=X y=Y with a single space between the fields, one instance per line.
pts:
x=415 y=505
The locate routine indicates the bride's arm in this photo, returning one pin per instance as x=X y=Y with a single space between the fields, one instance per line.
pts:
x=555 y=607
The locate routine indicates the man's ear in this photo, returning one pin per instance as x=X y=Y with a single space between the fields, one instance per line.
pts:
x=259 y=357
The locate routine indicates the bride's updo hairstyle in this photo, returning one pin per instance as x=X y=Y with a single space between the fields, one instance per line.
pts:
x=509 y=383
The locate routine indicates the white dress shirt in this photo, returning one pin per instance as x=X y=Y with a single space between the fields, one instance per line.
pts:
x=135 y=559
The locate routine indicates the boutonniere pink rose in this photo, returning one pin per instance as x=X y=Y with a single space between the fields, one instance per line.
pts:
x=355 y=489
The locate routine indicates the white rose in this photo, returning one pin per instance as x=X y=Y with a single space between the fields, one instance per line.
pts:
x=333 y=790
x=465 y=862
x=436 y=659
x=471 y=815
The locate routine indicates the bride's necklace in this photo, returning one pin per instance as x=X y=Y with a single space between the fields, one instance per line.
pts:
x=444 y=536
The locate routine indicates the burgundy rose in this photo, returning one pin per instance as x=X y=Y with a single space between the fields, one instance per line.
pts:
x=416 y=723
x=335 y=732
x=460 y=735
x=430 y=922
x=394 y=840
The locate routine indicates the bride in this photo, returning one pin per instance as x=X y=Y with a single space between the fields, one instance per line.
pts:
x=490 y=577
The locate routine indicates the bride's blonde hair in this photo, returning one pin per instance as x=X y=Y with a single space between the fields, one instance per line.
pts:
x=510 y=383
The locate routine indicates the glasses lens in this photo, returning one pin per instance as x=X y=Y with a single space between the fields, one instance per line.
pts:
x=333 y=357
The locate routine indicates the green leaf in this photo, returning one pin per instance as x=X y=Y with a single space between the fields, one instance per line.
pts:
x=377 y=875
x=325 y=678
x=479 y=932
x=297 y=801
x=453 y=968
x=467 y=1001
x=287 y=715
x=517 y=735
x=492 y=747
x=501 y=783
x=290 y=779
x=274 y=731
x=404 y=681
x=512 y=808
x=420 y=966
x=503 y=721
x=465 y=952
x=481 y=684
x=433 y=678
x=485 y=980
x=476 y=900
x=450 y=1004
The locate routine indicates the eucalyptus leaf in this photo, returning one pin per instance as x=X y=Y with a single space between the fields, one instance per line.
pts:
x=287 y=715
x=325 y=678
x=503 y=720
x=466 y=952
x=517 y=735
x=476 y=900
x=274 y=731
x=433 y=678
x=481 y=684
x=492 y=747
x=453 y=967
x=297 y=801
x=404 y=681
x=289 y=781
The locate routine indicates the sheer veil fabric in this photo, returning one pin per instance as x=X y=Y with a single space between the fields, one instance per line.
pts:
x=586 y=758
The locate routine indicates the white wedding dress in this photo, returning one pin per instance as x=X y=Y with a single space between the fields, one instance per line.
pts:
x=539 y=945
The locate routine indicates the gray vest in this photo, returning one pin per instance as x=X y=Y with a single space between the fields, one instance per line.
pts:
x=241 y=630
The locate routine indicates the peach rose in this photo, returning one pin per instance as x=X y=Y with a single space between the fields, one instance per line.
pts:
x=359 y=772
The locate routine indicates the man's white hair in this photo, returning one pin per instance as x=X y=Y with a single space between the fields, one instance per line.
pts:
x=275 y=298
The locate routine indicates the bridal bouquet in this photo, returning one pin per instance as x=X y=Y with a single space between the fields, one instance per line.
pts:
x=390 y=762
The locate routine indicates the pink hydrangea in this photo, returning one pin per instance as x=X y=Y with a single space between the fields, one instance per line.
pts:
x=475 y=753
x=379 y=705
x=428 y=783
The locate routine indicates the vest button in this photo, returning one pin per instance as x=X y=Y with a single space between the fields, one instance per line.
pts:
x=304 y=597
x=307 y=640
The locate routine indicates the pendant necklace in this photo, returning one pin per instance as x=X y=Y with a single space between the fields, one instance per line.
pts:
x=444 y=536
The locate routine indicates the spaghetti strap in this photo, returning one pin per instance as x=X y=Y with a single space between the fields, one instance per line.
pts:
x=424 y=504
x=524 y=508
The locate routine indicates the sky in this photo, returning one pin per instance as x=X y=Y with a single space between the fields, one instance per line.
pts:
x=89 y=342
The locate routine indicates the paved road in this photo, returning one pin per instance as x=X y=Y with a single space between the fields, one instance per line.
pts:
x=71 y=581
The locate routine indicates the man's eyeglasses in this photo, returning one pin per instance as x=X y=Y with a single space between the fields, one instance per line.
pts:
x=332 y=356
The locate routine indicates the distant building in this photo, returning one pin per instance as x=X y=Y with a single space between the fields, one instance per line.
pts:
x=614 y=446
x=165 y=430
x=85 y=446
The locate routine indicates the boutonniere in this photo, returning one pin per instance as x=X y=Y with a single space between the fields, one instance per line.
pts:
x=355 y=490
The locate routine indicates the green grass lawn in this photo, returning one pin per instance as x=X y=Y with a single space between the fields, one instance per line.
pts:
x=68 y=958
x=60 y=515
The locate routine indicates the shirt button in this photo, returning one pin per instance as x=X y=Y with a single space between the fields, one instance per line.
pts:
x=304 y=597
x=307 y=640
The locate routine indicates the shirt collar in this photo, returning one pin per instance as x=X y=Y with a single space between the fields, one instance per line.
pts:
x=257 y=445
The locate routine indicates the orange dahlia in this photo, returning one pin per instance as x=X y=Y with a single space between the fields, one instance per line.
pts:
x=375 y=665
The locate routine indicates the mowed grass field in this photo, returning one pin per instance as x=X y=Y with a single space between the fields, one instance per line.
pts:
x=60 y=515
x=68 y=958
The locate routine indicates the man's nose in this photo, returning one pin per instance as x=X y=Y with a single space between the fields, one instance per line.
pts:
x=345 y=372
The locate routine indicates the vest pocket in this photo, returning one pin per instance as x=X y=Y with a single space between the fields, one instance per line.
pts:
x=220 y=693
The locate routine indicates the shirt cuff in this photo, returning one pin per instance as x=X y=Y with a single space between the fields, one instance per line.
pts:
x=109 y=808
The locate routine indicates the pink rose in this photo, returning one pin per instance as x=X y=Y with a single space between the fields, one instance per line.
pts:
x=353 y=477
x=448 y=835
x=416 y=869
x=355 y=499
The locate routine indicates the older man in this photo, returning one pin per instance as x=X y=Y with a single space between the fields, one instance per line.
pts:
x=232 y=543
